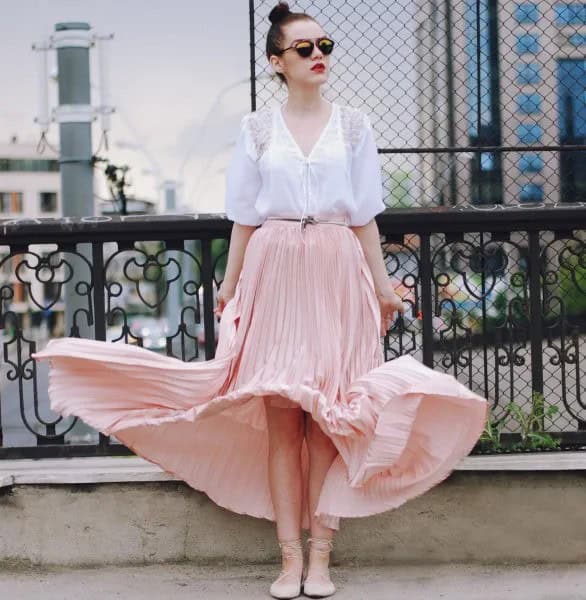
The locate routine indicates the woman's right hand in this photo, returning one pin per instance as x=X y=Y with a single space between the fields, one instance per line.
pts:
x=225 y=294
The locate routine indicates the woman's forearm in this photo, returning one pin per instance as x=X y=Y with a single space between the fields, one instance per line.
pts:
x=369 y=237
x=238 y=242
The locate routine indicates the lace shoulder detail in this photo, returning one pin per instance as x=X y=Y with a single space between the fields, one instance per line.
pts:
x=259 y=124
x=352 y=122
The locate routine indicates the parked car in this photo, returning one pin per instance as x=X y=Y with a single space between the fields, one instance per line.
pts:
x=152 y=330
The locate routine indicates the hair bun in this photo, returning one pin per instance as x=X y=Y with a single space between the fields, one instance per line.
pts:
x=279 y=12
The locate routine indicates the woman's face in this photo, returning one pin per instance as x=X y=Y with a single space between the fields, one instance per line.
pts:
x=298 y=69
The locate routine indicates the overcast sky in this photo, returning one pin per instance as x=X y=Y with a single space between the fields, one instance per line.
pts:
x=169 y=61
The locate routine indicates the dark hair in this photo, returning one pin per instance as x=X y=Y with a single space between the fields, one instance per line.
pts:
x=280 y=16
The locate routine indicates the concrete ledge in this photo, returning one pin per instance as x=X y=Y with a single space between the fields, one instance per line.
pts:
x=6 y=479
x=99 y=511
x=99 y=469
x=135 y=469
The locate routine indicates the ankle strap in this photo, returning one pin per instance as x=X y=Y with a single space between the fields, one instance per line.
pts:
x=323 y=545
x=291 y=548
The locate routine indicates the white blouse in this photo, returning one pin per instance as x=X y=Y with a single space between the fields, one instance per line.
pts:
x=268 y=174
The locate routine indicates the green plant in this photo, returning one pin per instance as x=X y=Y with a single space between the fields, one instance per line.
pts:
x=572 y=284
x=531 y=427
x=491 y=436
x=531 y=424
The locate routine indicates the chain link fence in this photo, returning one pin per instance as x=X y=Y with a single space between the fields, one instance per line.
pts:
x=472 y=101
x=477 y=106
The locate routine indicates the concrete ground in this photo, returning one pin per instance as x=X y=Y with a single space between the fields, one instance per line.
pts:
x=178 y=581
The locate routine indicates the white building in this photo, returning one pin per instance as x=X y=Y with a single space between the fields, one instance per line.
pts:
x=30 y=187
x=29 y=181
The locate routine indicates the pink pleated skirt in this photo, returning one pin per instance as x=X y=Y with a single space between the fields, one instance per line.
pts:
x=301 y=331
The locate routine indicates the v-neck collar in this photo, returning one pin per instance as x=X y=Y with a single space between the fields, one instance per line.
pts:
x=319 y=139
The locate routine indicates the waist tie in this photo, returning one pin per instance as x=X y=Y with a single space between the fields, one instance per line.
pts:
x=307 y=219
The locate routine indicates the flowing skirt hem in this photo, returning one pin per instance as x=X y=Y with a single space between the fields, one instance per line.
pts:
x=393 y=444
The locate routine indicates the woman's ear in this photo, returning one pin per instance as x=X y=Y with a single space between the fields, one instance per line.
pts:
x=276 y=64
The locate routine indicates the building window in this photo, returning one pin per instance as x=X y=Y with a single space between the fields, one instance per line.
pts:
x=570 y=14
x=527 y=43
x=487 y=161
x=48 y=201
x=526 y=13
x=530 y=162
x=529 y=133
x=528 y=73
x=528 y=104
x=11 y=202
x=571 y=102
x=482 y=96
x=29 y=164
x=578 y=39
x=531 y=192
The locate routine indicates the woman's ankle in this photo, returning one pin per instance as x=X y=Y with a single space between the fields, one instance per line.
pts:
x=291 y=554
x=319 y=555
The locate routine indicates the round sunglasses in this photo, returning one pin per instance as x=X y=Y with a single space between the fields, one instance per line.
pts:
x=305 y=47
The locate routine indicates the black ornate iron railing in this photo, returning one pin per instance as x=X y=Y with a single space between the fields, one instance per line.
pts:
x=496 y=296
x=475 y=101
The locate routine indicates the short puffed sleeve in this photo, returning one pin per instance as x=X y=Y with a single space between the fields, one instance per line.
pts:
x=243 y=179
x=367 y=185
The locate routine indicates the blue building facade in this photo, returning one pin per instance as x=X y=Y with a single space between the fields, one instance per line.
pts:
x=524 y=43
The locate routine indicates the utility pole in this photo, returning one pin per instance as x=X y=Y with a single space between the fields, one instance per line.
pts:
x=74 y=114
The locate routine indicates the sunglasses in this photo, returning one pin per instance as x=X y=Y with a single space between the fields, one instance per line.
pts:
x=305 y=47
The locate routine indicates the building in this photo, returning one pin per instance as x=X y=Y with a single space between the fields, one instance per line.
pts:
x=502 y=74
x=31 y=283
x=29 y=189
x=29 y=181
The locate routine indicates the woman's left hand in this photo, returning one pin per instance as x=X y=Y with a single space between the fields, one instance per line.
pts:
x=389 y=302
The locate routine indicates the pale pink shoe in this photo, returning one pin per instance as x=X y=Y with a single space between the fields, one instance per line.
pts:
x=288 y=583
x=319 y=585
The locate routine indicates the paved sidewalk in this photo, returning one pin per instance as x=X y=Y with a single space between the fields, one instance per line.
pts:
x=181 y=581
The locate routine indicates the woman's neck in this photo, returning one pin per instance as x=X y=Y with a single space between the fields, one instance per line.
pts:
x=302 y=102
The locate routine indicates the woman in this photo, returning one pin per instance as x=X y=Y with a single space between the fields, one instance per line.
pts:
x=298 y=419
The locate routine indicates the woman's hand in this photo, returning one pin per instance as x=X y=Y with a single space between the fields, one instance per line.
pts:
x=389 y=302
x=369 y=237
x=225 y=294
x=239 y=238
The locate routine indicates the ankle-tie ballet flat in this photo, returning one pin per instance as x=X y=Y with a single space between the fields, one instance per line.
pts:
x=288 y=583
x=319 y=585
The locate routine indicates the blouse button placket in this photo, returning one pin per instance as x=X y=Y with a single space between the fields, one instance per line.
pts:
x=307 y=190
